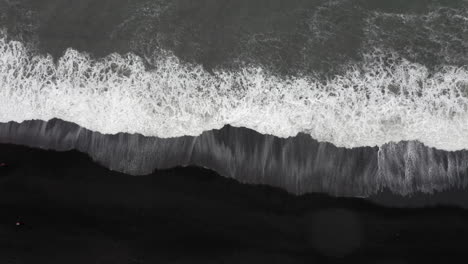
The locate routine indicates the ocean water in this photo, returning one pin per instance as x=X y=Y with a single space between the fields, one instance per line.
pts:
x=344 y=97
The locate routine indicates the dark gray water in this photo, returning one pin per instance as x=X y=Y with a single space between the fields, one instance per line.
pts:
x=290 y=37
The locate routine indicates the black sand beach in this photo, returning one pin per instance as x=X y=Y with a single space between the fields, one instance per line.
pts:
x=64 y=208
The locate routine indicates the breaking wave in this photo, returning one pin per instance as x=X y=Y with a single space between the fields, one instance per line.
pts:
x=386 y=98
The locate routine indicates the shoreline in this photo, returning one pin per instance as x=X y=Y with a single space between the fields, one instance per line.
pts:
x=298 y=165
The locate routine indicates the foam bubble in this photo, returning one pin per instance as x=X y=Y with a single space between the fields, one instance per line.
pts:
x=435 y=37
x=384 y=99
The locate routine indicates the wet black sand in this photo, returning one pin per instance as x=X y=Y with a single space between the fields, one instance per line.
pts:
x=64 y=208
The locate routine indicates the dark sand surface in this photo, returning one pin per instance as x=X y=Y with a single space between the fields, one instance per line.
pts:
x=64 y=208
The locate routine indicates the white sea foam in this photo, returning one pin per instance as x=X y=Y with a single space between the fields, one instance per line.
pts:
x=372 y=104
